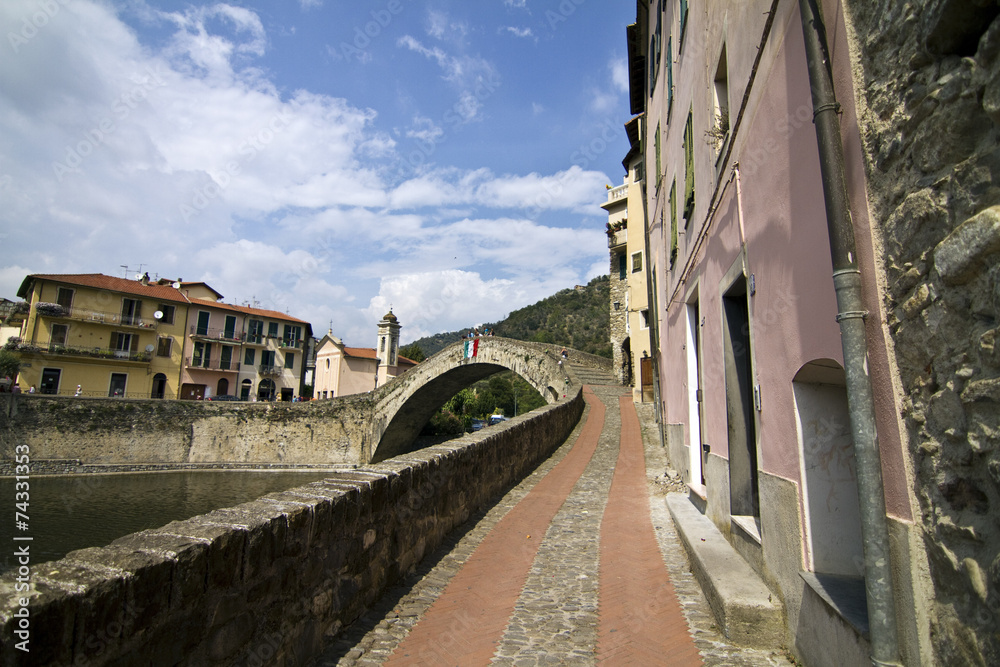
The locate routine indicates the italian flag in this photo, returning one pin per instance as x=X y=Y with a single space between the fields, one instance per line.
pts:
x=471 y=348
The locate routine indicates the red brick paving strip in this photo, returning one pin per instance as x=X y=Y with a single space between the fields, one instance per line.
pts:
x=640 y=619
x=466 y=622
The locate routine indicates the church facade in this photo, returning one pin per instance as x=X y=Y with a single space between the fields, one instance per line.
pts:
x=342 y=370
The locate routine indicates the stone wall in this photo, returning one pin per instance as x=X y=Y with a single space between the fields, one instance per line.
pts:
x=618 y=320
x=268 y=582
x=114 y=430
x=928 y=90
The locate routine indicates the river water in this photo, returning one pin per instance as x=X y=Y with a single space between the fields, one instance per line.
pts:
x=69 y=512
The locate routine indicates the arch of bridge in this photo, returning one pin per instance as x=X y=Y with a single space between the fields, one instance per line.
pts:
x=405 y=404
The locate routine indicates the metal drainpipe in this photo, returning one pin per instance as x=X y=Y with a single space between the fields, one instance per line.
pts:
x=851 y=314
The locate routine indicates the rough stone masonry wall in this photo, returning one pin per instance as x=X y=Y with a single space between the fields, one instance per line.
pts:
x=267 y=582
x=928 y=90
x=619 y=321
x=114 y=430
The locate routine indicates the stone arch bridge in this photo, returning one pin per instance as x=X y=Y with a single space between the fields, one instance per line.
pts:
x=405 y=404
x=350 y=430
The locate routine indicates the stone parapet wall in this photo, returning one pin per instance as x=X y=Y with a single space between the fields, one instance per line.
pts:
x=927 y=85
x=115 y=430
x=270 y=581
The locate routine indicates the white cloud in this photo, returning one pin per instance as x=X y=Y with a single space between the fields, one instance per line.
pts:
x=619 y=74
x=472 y=77
x=199 y=51
x=573 y=189
x=441 y=27
x=424 y=302
x=519 y=32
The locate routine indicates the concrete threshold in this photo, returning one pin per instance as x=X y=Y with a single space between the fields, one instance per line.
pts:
x=745 y=609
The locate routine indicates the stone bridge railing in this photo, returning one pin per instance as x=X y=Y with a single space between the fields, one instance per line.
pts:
x=267 y=582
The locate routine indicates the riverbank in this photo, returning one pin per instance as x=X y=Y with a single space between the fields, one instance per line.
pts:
x=46 y=467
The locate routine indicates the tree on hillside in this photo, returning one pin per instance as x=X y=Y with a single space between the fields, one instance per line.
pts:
x=578 y=318
x=412 y=352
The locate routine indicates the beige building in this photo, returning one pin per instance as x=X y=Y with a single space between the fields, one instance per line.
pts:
x=343 y=370
x=630 y=331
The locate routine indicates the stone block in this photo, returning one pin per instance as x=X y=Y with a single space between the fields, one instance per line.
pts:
x=265 y=528
x=963 y=252
x=229 y=639
x=51 y=615
x=225 y=547
x=299 y=520
x=146 y=575
x=104 y=614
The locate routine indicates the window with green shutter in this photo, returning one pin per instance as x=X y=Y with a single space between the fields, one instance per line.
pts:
x=688 y=170
x=673 y=223
x=684 y=17
x=659 y=170
x=670 y=75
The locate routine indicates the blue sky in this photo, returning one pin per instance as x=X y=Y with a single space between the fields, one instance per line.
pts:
x=328 y=159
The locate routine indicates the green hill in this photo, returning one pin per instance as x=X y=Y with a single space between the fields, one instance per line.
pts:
x=577 y=318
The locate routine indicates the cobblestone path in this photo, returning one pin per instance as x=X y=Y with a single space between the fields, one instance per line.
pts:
x=577 y=565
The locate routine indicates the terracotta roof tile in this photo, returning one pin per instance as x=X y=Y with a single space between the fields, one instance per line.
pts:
x=360 y=352
x=110 y=283
x=150 y=291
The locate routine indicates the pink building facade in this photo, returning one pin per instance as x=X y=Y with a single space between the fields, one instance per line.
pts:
x=749 y=359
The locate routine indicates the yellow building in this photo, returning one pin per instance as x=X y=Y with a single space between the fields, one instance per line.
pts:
x=96 y=335
x=630 y=323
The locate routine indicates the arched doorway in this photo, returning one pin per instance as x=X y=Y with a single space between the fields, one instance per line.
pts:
x=245 y=388
x=265 y=390
x=222 y=388
x=627 y=370
x=159 y=386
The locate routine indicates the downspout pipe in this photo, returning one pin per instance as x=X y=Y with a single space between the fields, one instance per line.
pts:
x=851 y=317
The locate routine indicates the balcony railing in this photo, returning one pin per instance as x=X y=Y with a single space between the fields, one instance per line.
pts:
x=102 y=353
x=94 y=316
x=216 y=334
x=620 y=192
x=262 y=339
x=230 y=366
x=269 y=370
x=617 y=237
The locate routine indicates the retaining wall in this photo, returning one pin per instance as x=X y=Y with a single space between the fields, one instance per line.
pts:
x=115 y=430
x=270 y=581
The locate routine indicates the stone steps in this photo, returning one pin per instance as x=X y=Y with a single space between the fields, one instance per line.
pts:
x=744 y=607
x=589 y=375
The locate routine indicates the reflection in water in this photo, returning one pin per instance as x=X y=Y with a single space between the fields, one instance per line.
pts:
x=69 y=512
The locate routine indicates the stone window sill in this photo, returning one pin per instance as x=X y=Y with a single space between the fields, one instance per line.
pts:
x=843 y=594
x=749 y=525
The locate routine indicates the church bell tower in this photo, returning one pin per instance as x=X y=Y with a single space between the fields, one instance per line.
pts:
x=387 y=349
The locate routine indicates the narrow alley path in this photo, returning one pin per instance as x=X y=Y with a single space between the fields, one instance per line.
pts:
x=577 y=565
